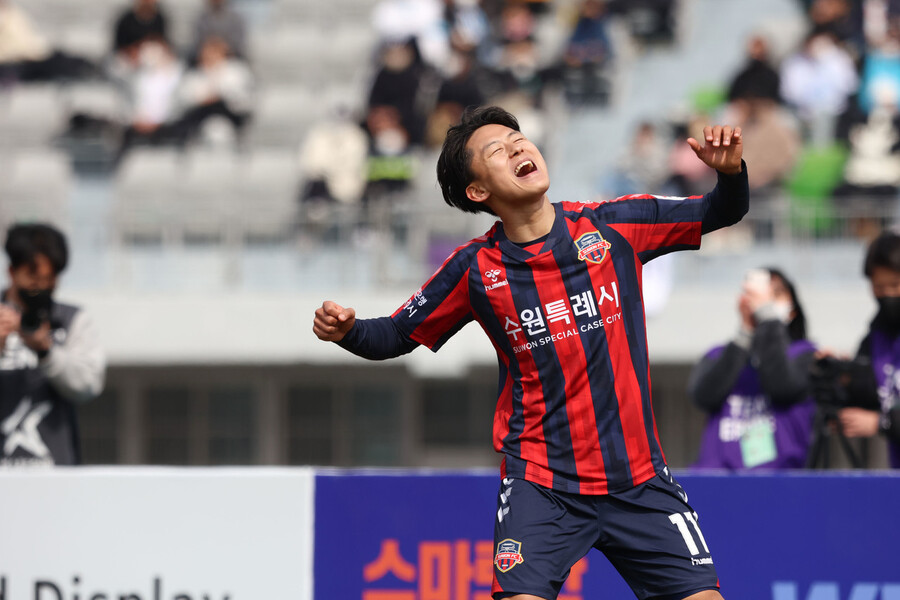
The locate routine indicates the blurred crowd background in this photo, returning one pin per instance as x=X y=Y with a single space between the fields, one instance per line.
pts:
x=221 y=147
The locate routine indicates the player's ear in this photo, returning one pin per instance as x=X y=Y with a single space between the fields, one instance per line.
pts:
x=477 y=193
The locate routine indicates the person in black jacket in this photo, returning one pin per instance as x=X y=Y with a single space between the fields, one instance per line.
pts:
x=50 y=354
x=881 y=348
x=756 y=388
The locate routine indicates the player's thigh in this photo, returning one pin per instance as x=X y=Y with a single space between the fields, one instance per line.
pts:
x=538 y=535
x=652 y=536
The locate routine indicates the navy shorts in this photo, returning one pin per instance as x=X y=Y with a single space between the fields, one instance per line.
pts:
x=649 y=533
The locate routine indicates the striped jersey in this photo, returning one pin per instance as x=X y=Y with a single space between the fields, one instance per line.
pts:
x=567 y=321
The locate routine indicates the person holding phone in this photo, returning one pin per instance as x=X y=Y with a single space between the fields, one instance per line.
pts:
x=756 y=388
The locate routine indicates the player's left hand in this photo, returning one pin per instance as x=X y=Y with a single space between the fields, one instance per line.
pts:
x=722 y=150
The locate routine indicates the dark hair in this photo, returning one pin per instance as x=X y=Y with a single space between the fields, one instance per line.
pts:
x=797 y=326
x=454 y=171
x=25 y=242
x=884 y=251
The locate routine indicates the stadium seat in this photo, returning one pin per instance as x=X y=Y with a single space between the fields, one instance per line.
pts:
x=35 y=187
x=91 y=41
x=283 y=116
x=279 y=55
x=207 y=196
x=31 y=116
x=267 y=196
x=96 y=99
x=323 y=13
x=144 y=202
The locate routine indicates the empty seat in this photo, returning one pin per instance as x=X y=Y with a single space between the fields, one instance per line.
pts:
x=283 y=116
x=144 y=202
x=283 y=55
x=206 y=208
x=35 y=187
x=268 y=191
x=31 y=116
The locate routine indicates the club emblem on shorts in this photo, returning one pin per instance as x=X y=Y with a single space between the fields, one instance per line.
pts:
x=509 y=554
x=592 y=247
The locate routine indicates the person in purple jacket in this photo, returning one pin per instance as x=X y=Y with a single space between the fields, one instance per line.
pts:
x=882 y=348
x=756 y=388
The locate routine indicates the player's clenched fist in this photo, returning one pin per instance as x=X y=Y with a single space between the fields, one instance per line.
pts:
x=333 y=321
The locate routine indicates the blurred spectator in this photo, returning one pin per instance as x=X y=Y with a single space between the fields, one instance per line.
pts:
x=390 y=163
x=220 y=20
x=517 y=22
x=333 y=160
x=650 y=21
x=771 y=140
x=881 y=349
x=398 y=85
x=757 y=78
x=50 y=354
x=219 y=90
x=843 y=19
x=587 y=55
x=881 y=70
x=463 y=87
x=422 y=21
x=688 y=176
x=467 y=24
x=152 y=89
x=817 y=80
x=755 y=388
x=520 y=75
x=873 y=163
x=142 y=22
x=27 y=55
x=643 y=167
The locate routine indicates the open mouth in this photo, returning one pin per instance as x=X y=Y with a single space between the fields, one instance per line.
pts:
x=525 y=168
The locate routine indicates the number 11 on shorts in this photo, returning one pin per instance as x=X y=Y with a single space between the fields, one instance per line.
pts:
x=678 y=519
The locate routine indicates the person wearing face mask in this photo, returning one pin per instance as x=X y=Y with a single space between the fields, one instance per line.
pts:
x=881 y=347
x=50 y=354
x=755 y=388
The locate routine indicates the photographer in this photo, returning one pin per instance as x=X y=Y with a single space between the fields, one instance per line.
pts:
x=755 y=388
x=50 y=357
x=882 y=349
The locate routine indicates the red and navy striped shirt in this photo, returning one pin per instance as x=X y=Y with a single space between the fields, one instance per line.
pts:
x=567 y=321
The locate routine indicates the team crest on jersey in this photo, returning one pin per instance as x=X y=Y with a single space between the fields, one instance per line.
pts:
x=592 y=247
x=509 y=554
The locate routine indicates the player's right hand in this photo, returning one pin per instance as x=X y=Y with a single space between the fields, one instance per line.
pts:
x=333 y=321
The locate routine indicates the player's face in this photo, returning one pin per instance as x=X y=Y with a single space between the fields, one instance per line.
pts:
x=506 y=165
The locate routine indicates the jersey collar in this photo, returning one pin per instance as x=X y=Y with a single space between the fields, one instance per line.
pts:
x=517 y=253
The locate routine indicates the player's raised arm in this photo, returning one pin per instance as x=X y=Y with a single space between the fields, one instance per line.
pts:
x=333 y=321
x=722 y=150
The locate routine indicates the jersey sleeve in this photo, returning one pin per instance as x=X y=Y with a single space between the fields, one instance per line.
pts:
x=441 y=307
x=657 y=225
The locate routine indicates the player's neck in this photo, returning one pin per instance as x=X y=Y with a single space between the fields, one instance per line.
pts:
x=524 y=224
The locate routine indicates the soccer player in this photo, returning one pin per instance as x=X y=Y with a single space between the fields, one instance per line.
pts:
x=557 y=289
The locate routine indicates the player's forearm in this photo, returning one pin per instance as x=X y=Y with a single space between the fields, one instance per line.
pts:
x=376 y=339
x=728 y=202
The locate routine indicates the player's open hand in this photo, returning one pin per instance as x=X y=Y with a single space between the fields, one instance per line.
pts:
x=333 y=321
x=722 y=150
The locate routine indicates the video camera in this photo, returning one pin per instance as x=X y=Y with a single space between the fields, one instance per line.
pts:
x=838 y=383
